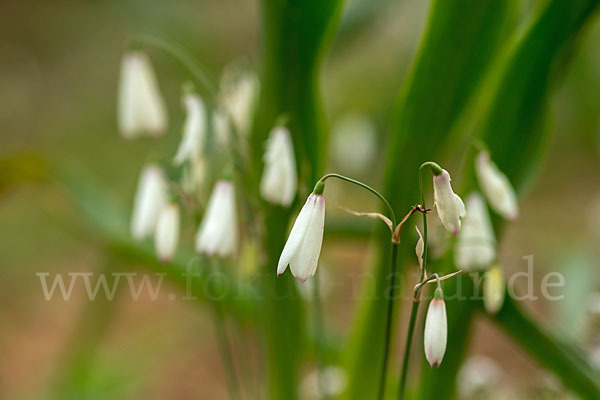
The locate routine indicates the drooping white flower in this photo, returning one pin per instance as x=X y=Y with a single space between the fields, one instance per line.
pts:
x=239 y=100
x=476 y=244
x=494 y=287
x=302 y=249
x=279 y=180
x=191 y=144
x=450 y=207
x=166 y=236
x=193 y=176
x=150 y=198
x=141 y=108
x=496 y=187
x=436 y=329
x=218 y=232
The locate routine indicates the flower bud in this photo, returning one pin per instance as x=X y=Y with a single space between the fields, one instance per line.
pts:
x=496 y=187
x=191 y=144
x=436 y=329
x=150 y=198
x=302 y=249
x=166 y=236
x=476 y=244
x=494 y=287
x=279 y=181
x=218 y=231
x=141 y=108
x=450 y=207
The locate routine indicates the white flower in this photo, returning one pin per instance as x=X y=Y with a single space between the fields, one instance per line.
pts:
x=436 y=329
x=167 y=232
x=141 y=107
x=193 y=175
x=150 y=198
x=279 y=180
x=450 y=206
x=221 y=128
x=240 y=100
x=476 y=244
x=218 y=232
x=496 y=187
x=191 y=144
x=494 y=286
x=302 y=249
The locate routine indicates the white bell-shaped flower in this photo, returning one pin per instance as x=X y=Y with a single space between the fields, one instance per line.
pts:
x=476 y=244
x=436 y=329
x=150 y=198
x=141 y=108
x=450 y=207
x=240 y=99
x=218 y=232
x=302 y=249
x=279 y=181
x=191 y=144
x=166 y=236
x=496 y=187
x=494 y=287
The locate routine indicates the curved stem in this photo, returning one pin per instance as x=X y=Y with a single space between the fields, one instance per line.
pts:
x=389 y=319
x=184 y=57
x=364 y=186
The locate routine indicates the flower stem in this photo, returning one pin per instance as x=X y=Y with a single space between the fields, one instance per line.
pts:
x=389 y=319
x=364 y=186
x=417 y=294
x=184 y=57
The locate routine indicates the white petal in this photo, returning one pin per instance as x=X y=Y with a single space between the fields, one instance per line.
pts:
x=239 y=100
x=436 y=332
x=191 y=144
x=304 y=262
x=167 y=232
x=476 y=244
x=149 y=199
x=279 y=181
x=141 y=107
x=493 y=289
x=496 y=187
x=449 y=206
x=218 y=231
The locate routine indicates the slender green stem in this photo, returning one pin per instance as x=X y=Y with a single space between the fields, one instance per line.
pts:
x=417 y=295
x=320 y=335
x=184 y=57
x=389 y=321
x=364 y=186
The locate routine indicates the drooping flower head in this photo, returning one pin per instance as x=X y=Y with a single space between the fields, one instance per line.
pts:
x=150 y=197
x=191 y=144
x=476 y=244
x=302 y=249
x=166 y=236
x=436 y=329
x=494 y=287
x=279 y=180
x=450 y=207
x=240 y=94
x=218 y=231
x=141 y=108
x=496 y=187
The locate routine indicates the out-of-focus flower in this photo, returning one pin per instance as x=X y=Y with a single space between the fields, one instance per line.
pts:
x=476 y=245
x=150 y=197
x=496 y=187
x=193 y=175
x=478 y=375
x=302 y=249
x=240 y=98
x=166 y=236
x=436 y=329
x=331 y=383
x=221 y=128
x=279 y=180
x=354 y=143
x=141 y=108
x=494 y=286
x=191 y=144
x=450 y=206
x=218 y=232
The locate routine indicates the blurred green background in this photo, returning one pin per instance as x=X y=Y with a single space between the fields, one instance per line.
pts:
x=59 y=64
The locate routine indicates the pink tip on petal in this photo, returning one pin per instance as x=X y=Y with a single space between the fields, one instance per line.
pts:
x=278 y=274
x=302 y=280
x=430 y=365
x=437 y=364
x=455 y=233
